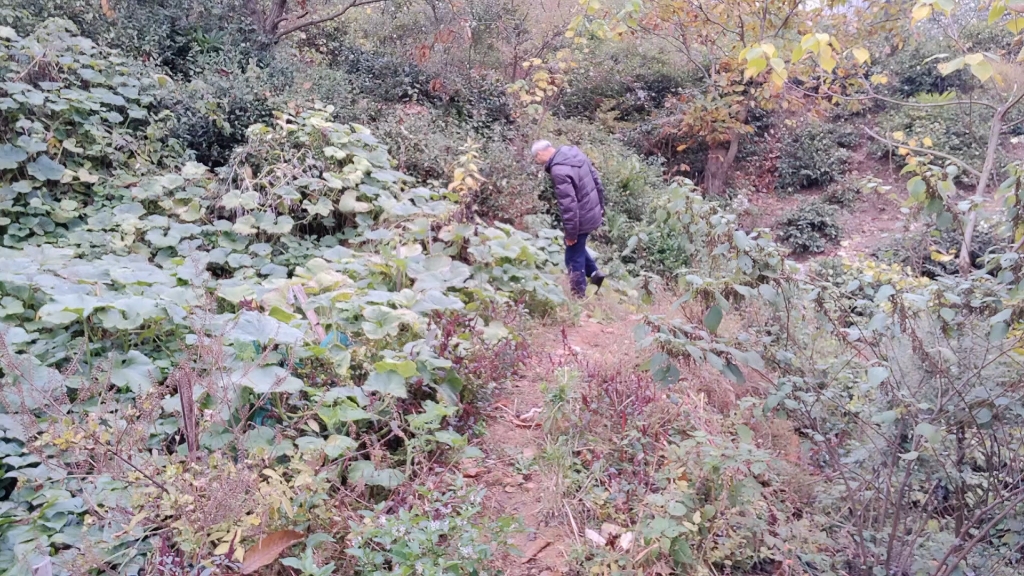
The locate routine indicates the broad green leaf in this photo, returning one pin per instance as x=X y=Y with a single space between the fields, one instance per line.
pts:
x=405 y=368
x=364 y=471
x=877 y=375
x=745 y=434
x=44 y=168
x=11 y=156
x=983 y=416
x=998 y=332
x=713 y=319
x=887 y=417
x=309 y=443
x=917 y=187
x=930 y=432
x=388 y=383
x=135 y=371
x=337 y=445
x=266 y=379
x=255 y=327
x=734 y=373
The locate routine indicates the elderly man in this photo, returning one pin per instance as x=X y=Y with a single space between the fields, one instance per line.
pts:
x=581 y=202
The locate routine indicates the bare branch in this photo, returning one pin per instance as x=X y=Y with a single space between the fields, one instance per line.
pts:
x=873 y=96
x=960 y=162
x=332 y=16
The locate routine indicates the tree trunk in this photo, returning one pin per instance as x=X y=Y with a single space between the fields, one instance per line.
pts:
x=716 y=172
x=721 y=159
x=965 y=261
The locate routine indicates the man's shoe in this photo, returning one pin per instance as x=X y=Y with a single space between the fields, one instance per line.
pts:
x=597 y=279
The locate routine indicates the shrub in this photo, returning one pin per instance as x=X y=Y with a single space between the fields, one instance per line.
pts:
x=842 y=193
x=184 y=37
x=912 y=73
x=814 y=155
x=951 y=130
x=212 y=122
x=809 y=228
x=631 y=81
x=914 y=250
x=385 y=78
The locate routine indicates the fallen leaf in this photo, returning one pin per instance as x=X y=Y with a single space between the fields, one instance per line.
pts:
x=626 y=542
x=268 y=549
x=473 y=472
x=522 y=424
x=534 y=549
x=529 y=416
x=595 y=538
x=608 y=530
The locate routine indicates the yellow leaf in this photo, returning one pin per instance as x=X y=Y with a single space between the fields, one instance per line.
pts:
x=861 y=55
x=778 y=64
x=268 y=549
x=768 y=49
x=983 y=70
x=899 y=136
x=827 y=61
x=920 y=12
x=973 y=59
x=940 y=256
x=222 y=549
x=927 y=142
x=1016 y=25
x=903 y=151
x=879 y=79
x=913 y=142
x=996 y=13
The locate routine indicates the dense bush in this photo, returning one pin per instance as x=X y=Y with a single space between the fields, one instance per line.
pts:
x=911 y=74
x=844 y=193
x=955 y=130
x=385 y=78
x=223 y=357
x=814 y=155
x=809 y=228
x=599 y=84
x=917 y=250
x=185 y=37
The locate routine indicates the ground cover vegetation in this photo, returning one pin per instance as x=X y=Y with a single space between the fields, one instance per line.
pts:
x=265 y=266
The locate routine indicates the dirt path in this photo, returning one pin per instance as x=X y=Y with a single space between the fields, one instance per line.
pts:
x=514 y=442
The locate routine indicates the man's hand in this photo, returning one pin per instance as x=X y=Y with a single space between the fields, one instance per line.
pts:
x=570 y=242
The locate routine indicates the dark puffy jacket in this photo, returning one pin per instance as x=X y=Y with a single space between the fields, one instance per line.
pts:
x=578 y=189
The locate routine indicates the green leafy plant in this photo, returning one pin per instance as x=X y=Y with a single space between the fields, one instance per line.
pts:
x=809 y=228
x=444 y=532
x=815 y=155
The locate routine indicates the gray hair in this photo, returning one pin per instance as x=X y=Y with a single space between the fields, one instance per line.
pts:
x=539 y=146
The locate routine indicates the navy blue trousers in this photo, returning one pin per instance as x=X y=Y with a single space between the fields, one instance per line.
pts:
x=581 y=266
